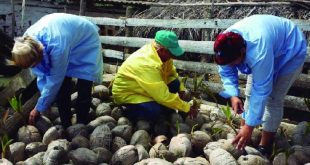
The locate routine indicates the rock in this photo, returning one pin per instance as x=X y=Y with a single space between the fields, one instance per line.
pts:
x=95 y=103
x=180 y=145
x=191 y=161
x=167 y=155
x=123 y=131
x=43 y=124
x=252 y=151
x=126 y=155
x=103 y=109
x=288 y=128
x=99 y=121
x=220 y=156
x=117 y=113
x=83 y=156
x=77 y=129
x=59 y=143
x=199 y=140
x=279 y=159
x=123 y=121
x=118 y=143
x=153 y=161
x=256 y=136
x=28 y=134
x=53 y=133
x=34 y=148
x=154 y=151
x=161 y=139
x=302 y=154
x=37 y=159
x=299 y=136
x=103 y=155
x=101 y=92
x=5 y=162
x=252 y=159
x=143 y=125
x=56 y=155
x=17 y=151
x=101 y=137
x=142 y=152
x=197 y=122
x=211 y=146
x=141 y=137
x=79 y=142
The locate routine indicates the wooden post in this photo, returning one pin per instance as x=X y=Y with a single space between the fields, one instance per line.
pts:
x=13 y=18
x=128 y=30
x=82 y=7
x=206 y=32
x=23 y=15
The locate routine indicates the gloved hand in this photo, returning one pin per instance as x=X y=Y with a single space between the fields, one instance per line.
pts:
x=193 y=112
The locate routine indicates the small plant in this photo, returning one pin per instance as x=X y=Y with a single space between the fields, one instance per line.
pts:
x=16 y=104
x=216 y=131
x=5 y=142
x=228 y=115
x=4 y=117
x=193 y=128
x=177 y=126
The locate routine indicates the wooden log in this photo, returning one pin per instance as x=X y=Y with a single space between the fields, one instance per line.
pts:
x=12 y=84
x=14 y=122
x=302 y=81
x=203 y=47
x=181 y=23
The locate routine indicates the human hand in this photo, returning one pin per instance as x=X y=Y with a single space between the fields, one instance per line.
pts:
x=243 y=137
x=33 y=116
x=236 y=104
x=193 y=112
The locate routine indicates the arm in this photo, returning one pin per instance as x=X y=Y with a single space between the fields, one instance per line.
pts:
x=151 y=81
x=49 y=82
x=229 y=77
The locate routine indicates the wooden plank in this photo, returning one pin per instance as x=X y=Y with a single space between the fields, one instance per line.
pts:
x=188 y=46
x=203 y=47
x=180 y=23
x=107 y=21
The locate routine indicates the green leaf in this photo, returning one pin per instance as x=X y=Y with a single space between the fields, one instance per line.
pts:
x=227 y=111
x=16 y=104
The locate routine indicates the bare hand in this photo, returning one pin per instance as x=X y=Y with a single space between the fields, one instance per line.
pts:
x=243 y=137
x=33 y=116
x=236 y=105
x=193 y=112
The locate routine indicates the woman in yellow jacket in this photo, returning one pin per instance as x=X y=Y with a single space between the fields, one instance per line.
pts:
x=148 y=80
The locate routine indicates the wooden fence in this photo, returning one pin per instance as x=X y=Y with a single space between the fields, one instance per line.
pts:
x=202 y=47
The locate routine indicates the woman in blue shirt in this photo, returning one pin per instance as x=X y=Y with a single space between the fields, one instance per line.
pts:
x=271 y=50
x=58 y=47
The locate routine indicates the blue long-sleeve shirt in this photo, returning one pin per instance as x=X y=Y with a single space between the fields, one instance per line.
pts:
x=274 y=46
x=71 y=48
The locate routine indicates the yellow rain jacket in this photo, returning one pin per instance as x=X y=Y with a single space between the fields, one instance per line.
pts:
x=143 y=77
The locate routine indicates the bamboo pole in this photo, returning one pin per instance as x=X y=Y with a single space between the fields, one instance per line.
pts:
x=82 y=7
x=23 y=15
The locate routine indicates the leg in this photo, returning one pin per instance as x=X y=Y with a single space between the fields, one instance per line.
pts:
x=274 y=106
x=83 y=100
x=149 y=111
x=63 y=102
x=247 y=92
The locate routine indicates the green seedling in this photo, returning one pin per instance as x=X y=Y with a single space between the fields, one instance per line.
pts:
x=16 y=104
x=193 y=128
x=5 y=142
x=228 y=115
x=4 y=117
x=216 y=131
x=177 y=126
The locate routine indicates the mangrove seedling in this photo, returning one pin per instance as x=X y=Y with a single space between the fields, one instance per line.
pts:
x=16 y=105
x=228 y=115
x=5 y=142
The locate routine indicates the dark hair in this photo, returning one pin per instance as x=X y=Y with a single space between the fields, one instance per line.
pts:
x=227 y=47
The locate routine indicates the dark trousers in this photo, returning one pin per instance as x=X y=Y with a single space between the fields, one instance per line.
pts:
x=83 y=102
x=150 y=111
